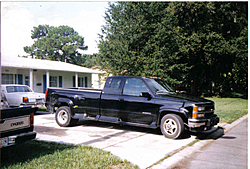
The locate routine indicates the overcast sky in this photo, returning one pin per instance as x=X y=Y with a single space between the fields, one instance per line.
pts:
x=19 y=18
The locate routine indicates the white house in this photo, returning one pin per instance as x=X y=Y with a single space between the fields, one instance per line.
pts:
x=41 y=74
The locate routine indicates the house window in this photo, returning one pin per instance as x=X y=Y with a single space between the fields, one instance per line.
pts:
x=27 y=82
x=53 y=81
x=80 y=82
x=7 y=79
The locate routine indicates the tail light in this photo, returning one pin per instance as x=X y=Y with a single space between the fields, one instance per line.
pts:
x=25 y=99
x=46 y=94
x=195 y=112
x=32 y=119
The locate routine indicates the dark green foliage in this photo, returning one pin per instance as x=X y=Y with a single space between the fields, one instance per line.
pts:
x=89 y=61
x=56 y=43
x=202 y=43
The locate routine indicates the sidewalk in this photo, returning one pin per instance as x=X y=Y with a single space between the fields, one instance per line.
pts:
x=228 y=152
x=186 y=153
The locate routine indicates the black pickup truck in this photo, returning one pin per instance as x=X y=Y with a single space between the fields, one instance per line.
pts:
x=17 y=124
x=145 y=102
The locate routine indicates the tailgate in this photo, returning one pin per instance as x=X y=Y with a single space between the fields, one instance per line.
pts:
x=16 y=120
x=14 y=123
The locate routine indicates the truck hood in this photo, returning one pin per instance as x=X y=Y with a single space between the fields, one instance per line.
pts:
x=184 y=98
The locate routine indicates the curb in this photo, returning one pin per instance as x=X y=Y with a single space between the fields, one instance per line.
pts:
x=176 y=158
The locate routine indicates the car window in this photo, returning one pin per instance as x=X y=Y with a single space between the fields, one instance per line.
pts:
x=112 y=85
x=134 y=87
x=11 y=89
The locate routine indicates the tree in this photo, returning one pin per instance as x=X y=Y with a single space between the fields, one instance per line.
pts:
x=89 y=61
x=203 y=43
x=56 y=43
x=131 y=44
x=210 y=31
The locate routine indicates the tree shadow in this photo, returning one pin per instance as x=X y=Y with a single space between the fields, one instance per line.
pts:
x=30 y=150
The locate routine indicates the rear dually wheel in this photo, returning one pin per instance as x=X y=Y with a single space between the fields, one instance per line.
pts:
x=64 y=118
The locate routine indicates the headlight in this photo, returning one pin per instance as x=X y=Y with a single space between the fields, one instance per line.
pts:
x=201 y=108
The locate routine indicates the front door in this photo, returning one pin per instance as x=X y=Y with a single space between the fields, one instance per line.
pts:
x=134 y=107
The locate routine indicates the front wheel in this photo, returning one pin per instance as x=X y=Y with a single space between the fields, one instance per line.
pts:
x=63 y=117
x=172 y=126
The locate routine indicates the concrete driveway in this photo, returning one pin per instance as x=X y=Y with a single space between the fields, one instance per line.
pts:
x=140 y=146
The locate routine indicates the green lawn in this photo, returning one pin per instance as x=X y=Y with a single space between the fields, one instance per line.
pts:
x=230 y=109
x=42 y=109
x=38 y=154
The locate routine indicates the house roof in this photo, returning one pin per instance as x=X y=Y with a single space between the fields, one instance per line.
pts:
x=27 y=63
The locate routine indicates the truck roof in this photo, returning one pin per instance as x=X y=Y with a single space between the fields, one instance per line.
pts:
x=139 y=77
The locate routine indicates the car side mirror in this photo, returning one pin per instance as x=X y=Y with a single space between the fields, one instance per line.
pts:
x=145 y=94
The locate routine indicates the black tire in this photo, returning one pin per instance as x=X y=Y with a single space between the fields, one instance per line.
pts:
x=63 y=117
x=172 y=126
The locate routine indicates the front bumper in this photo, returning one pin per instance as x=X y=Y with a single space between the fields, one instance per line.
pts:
x=196 y=123
x=16 y=139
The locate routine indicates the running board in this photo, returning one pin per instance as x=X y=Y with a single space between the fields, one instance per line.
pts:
x=114 y=120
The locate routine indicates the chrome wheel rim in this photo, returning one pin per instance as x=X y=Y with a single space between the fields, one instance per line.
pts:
x=62 y=117
x=170 y=126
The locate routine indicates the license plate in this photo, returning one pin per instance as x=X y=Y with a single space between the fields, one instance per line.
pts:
x=4 y=141
x=39 y=101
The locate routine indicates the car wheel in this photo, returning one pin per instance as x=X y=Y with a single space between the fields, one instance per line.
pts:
x=172 y=126
x=63 y=117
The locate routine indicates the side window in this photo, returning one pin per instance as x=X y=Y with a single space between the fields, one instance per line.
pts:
x=134 y=87
x=10 y=89
x=112 y=85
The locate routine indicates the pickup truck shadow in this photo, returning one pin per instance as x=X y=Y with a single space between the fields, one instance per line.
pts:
x=119 y=127
x=126 y=128
x=215 y=134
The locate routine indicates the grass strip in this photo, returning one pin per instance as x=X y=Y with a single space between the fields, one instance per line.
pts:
x=39 y=155
x=230 y=109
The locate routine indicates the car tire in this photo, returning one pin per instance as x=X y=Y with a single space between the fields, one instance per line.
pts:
x=63 y=117
x=172 y=126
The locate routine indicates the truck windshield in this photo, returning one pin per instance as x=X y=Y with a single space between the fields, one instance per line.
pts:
x=158 y=86
x=11 y=89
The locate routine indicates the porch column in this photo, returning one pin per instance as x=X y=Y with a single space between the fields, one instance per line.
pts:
x=95 y=82
x=47 y=79
x=31 y=79
x=76 y=79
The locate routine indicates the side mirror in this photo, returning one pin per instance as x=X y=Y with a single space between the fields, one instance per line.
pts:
x=146 y=94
